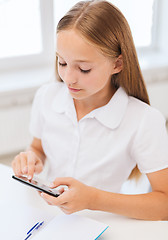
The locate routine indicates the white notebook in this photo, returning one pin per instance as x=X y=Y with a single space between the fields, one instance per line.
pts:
x=71 y=227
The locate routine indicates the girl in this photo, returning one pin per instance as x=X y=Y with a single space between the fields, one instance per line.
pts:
x=95 y=125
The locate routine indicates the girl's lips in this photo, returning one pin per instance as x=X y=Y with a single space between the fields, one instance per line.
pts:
x=74 y=89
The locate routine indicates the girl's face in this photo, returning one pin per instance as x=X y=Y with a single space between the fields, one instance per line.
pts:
x=83 y=68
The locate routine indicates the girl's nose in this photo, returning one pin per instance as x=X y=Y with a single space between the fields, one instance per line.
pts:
x=69 y=77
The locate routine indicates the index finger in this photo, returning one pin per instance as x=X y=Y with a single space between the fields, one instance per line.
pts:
x=31 y=165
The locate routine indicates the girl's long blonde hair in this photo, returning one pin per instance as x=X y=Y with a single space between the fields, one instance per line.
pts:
x=104 y=26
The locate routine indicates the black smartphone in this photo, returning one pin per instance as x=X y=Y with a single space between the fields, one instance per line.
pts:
x=37 y=184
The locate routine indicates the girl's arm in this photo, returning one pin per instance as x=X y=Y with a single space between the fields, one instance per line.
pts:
x=149 y=206
x=37 y=148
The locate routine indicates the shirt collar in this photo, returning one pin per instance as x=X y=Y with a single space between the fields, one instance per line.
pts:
x=109 y=115
x=113 y=112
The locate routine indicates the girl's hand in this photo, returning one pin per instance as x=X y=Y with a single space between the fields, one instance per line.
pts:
x=78 y=196
x=27 y=163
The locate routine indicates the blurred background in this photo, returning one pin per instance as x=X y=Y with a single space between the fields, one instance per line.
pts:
x=27 y=52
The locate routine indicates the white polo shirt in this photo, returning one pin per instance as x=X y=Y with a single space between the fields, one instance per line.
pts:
x=104 y=146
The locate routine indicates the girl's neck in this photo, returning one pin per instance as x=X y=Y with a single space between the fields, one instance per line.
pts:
x=85 y=106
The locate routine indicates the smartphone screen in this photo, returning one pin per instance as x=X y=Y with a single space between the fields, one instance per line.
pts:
x=37 y=183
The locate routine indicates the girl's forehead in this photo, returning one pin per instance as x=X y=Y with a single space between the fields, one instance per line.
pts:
x=71 y=43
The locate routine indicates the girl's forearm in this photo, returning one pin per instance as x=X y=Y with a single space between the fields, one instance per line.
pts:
x=149 y=206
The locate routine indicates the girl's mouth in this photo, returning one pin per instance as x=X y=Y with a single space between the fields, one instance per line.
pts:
x=74 y=89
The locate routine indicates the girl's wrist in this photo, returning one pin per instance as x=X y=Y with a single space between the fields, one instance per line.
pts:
x=93 y=198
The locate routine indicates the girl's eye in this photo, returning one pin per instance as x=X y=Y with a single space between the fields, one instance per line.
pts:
x=85 y=71
x=62 y=64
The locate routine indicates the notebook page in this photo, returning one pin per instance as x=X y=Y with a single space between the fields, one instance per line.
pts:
x=73 y=227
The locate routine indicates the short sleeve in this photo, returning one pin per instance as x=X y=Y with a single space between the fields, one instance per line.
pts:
x=35 y=126
x=150 y=146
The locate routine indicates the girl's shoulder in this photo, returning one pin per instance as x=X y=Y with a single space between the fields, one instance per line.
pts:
x=144 y=113
x=149 y=137
x=49 y=92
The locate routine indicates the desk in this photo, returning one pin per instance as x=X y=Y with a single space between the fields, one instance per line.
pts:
x=12 y=193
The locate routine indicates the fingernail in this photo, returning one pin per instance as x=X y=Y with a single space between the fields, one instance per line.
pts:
x=29 y=177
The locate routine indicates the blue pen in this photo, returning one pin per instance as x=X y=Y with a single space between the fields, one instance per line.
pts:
x=28 y=236
x=40 y=224
x=32 y=228
x=35 y=227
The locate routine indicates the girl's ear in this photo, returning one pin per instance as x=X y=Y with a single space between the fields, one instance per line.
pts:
x=118 y=64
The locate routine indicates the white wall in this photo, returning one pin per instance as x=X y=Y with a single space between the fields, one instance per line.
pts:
x=14 y=133
x=17 y=91
x=158 y=93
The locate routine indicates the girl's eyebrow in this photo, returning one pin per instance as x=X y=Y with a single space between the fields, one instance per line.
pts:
x=78 y=60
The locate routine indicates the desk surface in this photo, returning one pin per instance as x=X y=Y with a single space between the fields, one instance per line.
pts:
x=14 y=194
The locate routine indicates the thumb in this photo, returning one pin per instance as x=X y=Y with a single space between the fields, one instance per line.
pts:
x=62 y=181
